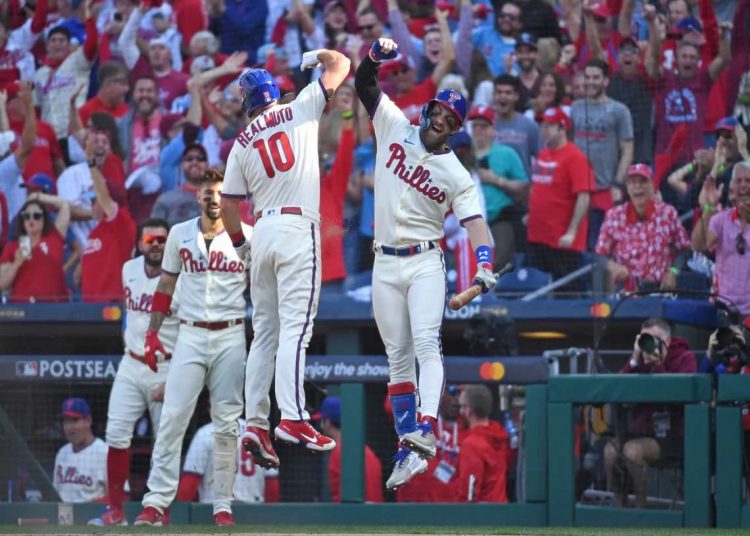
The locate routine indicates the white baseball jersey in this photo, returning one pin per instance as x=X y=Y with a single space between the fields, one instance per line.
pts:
x=276 y=157
x=81 y=476
x=249 y=480
x=414 y=188
x=211 y=282
x=139 y=293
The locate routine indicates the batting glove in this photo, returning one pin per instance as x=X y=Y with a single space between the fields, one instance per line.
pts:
x=485 y=277
x=310 y=59
x=243 y=251
x=153 y=344
x=383 y=49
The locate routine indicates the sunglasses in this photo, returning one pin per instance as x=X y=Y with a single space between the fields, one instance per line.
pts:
x=739 y=244
x=363 y=27
x=194 y=158
x=32 y=215
x=154 y=239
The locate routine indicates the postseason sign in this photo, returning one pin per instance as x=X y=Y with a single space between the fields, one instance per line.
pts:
x=64 y=368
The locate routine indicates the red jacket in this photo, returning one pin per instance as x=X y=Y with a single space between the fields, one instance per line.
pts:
x=332 y=196
x=373 y=475
x=482 y=465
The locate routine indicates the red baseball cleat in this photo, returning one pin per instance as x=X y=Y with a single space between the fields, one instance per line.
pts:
x=301 y=433
x=150 y=516
x=111 y=517
x=224 y=519
x=257 y=442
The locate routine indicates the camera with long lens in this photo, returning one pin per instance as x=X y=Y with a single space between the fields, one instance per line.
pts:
x=648 y=344
x=730 y=350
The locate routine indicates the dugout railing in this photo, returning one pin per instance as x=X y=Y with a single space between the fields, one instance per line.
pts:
x=548 y=465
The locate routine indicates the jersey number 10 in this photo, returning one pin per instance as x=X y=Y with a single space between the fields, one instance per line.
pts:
x=276 y=145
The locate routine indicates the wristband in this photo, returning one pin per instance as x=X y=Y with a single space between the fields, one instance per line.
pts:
x=709 y=208
x=161 y=303
x=348 y=114
x=675 y=271
x=237 y=238
x=690 y=167
x=483 y=254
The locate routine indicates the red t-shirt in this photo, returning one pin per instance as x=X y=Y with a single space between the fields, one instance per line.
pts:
x=679 y=101
x=559 y=175
x=171 y=85
x=46 y=149
x=190 y=17
x=95 y=104
x=109 y=245
x=40 y=278
x=332 y=197
x=373 y=475
x=411 y=103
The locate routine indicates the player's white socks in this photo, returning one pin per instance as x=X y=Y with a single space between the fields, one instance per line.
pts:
x=224 y=469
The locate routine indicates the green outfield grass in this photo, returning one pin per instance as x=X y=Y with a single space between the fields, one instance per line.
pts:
x=357 y=530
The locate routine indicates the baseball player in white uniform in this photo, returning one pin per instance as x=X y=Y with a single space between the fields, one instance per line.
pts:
x=209 y=351
x=417 y=181
x=197 y=471
x=276 y=160
x=80 y=473
x=138 y=385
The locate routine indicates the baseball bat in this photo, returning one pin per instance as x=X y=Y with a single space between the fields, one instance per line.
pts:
x=461 y=299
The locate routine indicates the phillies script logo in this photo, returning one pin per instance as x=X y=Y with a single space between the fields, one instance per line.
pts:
x=72 y=476
x=217 y=262
x=419 y=179
x=142 y=304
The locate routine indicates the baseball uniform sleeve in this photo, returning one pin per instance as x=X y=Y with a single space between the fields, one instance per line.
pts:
x=387 y=117
x=466 y=203
x=310 y=102
x=171 y=261
x=55 y=472
x=196 y=460
x=235 y=184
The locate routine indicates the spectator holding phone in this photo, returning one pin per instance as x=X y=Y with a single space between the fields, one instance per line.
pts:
x=31 y=266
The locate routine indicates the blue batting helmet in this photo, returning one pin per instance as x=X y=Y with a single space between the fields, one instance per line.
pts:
x=451 y=99
x=258 y=89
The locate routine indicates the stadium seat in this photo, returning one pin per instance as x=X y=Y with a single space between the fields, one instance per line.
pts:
x=523 y=280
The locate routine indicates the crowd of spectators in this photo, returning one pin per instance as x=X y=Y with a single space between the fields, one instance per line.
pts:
x=600 y=132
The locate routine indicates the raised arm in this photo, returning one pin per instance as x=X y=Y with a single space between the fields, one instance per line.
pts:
x=4 y=123
x=28 y=135
x=592 y=31
x=366 y=78
x=447 y=52
x=722 y=60
x=624 y=21
x=463 y=43
x=126 y=41
x=335 y=69
x=653 y=58
x=100 y=184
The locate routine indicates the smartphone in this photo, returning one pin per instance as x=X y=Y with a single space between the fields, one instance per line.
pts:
x=24 y=243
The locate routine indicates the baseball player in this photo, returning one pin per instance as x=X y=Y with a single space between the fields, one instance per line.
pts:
x=250 y=481
x=209 y=351
x=417 y=181
x=276 y=160
x=139 y=384
x=79 y=474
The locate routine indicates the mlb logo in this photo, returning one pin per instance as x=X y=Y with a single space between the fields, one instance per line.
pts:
x=267 y=95
x=27 y=369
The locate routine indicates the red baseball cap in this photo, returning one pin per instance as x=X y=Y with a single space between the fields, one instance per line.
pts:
x=482 y=112
x=643 y=170
x=557 y=116
x=601 y=10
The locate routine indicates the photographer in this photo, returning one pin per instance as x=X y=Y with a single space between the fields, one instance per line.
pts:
x=654 y=433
